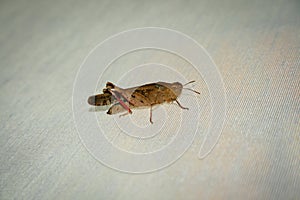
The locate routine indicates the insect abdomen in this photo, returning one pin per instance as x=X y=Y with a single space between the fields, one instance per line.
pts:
x=152 y=94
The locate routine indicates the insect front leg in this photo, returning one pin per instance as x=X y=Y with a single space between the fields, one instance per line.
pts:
x=181 y=105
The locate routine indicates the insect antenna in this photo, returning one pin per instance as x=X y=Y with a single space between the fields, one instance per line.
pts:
x=192 y=90
x=189 y=83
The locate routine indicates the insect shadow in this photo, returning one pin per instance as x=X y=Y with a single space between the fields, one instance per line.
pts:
x=98 y=108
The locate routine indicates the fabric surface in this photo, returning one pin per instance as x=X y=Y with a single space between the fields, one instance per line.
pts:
x=256 y=47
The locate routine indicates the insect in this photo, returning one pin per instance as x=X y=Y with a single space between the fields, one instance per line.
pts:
x=147 y=95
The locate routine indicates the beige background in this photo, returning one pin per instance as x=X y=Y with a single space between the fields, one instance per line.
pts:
x=255 y=44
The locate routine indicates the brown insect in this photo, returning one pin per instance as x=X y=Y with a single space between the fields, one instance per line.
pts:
x=146 y=95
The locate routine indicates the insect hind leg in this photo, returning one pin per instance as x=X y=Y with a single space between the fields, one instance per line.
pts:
x=110 y=85
x=124 y=114
x=122 y=103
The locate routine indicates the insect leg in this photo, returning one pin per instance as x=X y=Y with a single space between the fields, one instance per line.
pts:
x=181 y=105
x=122 y=115
x=116 y=108
x=121 y=102
x=151 y=114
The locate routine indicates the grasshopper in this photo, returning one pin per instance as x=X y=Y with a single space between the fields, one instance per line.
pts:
x=147 y=95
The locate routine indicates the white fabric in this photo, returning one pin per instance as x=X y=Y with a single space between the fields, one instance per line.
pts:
x=255 y=45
